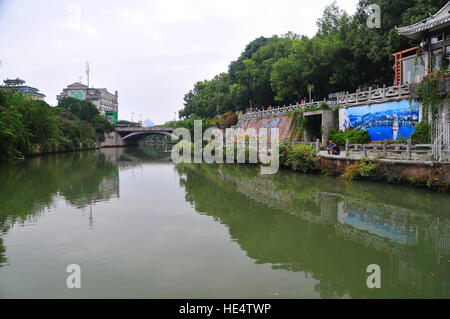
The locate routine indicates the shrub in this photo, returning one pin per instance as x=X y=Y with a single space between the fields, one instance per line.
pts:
x=401 y=140
x=230 y=120
x=362 y=168
x=351 y=172
x=324 y=106
x=284 y=151
x=354 y=136
x=101 y=126
x=227 y=119
x=302 y=158
x=421 y=134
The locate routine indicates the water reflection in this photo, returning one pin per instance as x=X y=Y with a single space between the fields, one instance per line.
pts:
x=331 y=230
x=328 y=229
x=31 y=187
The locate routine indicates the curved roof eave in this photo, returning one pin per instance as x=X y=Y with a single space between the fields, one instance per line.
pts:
x=440 y=19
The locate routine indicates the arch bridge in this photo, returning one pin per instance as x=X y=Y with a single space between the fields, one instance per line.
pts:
x=127 y=136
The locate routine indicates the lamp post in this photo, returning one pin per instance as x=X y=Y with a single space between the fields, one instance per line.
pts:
x=310 y=89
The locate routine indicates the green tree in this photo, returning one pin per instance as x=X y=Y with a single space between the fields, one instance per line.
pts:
x=84 y=109
x=344 y=54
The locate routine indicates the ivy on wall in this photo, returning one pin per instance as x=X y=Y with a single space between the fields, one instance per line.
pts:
x=297 y=124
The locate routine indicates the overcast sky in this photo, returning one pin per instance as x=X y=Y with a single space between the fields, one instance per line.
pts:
x=152 y=52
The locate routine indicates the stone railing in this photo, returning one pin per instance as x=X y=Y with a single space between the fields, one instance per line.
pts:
x=144 y=129
x=274 y=112
x=406 y=151
x=344 y=100
x=378 y=95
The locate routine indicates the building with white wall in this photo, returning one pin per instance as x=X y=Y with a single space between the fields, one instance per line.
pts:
x=107 y=103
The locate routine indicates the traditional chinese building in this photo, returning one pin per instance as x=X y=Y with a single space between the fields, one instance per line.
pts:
x=433 y=38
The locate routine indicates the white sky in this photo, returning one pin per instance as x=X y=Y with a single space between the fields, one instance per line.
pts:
x=152 y=52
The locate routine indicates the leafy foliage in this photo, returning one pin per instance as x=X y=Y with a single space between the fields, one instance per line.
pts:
x=354 y=136
x=84 y=109
x=431 y=96
x=302 y=158
x=344 y=55
x=422 y=133
x=28 y=126
x=188 y=123
x=362 y=168
x=13 y=135
x=297 y=124
x=227 y=119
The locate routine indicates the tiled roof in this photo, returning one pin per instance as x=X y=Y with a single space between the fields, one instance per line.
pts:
x=439 y=18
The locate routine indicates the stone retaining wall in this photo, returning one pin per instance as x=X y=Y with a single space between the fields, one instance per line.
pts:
x=429 y=174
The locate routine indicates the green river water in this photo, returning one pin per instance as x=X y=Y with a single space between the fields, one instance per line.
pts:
x=140 y=227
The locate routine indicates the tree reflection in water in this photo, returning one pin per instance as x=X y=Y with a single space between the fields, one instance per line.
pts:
x=329 y=229
x=30 y=187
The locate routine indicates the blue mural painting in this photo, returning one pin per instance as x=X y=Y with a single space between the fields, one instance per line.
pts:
x=389 y=121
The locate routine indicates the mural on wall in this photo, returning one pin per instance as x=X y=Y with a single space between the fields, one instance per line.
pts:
x=385 y=121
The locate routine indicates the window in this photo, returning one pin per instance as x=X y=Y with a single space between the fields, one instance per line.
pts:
x=447 y=53
x=436 y=59
x=412 y=71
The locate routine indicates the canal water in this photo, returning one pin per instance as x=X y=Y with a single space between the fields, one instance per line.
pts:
x=140 y=227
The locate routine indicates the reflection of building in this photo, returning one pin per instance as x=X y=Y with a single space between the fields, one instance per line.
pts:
x=110 y=187
x=433 y=33
x=106 y=103
x=17 y=85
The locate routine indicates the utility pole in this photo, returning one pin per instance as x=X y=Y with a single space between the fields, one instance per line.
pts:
x=87 y=73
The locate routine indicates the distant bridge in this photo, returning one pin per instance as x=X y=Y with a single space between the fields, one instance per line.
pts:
x=124 y=136
x=131 y=135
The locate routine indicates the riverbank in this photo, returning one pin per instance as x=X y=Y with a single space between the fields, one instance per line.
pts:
x=37 y=150
x=427 y=174
x=304 y=159
x=32 y=127
x=423 y=174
